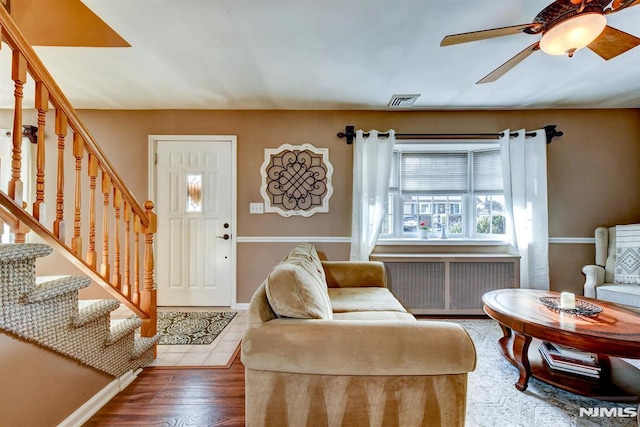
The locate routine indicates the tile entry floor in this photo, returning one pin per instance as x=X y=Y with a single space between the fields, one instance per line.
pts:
x=218 y=353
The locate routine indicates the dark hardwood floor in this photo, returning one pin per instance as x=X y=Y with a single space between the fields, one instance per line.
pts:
x=184 y=397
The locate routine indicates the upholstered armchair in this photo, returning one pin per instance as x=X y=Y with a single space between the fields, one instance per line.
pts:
x=613 y=278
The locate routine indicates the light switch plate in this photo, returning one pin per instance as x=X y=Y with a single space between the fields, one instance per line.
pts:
x=256 y=208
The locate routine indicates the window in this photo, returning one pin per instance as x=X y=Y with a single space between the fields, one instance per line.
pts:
x=460 y=190
x=194 y=193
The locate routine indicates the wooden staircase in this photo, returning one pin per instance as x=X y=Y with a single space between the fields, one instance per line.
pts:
x=62 y=209
x=48 y=313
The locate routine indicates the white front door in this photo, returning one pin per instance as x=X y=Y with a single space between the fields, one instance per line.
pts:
x=194 y=192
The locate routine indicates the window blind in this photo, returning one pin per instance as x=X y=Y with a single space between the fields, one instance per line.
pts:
x=487 y=171
x=393 y=179
x=434 y=172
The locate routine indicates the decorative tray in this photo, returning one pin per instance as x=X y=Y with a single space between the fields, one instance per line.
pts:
x=583 y=308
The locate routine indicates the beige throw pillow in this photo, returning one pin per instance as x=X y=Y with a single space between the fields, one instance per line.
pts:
x=295 y=289
x=308 y=251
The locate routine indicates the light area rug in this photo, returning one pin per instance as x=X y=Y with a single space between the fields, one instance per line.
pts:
x=492 y=399
x=191 y=328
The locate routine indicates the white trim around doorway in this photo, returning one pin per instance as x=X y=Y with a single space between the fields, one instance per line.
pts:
x=151 y=189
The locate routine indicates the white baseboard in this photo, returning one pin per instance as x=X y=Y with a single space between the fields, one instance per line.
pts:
x=242 y=306
x=93 y=405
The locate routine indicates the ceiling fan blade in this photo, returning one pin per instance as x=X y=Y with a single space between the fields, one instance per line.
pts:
x=613 y=42
x=618 y=5
x=502 y=70
x=488 y=34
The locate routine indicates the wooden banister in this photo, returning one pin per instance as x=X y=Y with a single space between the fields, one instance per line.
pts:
x=37 y=70
x=120 y=208
x=49 y=238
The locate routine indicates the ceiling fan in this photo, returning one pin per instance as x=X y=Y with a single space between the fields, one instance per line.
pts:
x=565 y=26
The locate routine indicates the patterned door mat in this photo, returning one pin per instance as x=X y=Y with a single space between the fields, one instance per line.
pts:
x=191 y=327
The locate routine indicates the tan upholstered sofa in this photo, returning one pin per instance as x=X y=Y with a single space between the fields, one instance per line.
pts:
x=329 y=345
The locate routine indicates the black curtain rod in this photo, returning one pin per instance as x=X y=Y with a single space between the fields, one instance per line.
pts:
x=550 y=131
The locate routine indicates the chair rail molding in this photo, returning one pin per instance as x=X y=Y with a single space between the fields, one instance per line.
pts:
x=293 y=239
x=572 y=240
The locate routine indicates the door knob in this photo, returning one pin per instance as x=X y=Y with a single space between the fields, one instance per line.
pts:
x=223 y=237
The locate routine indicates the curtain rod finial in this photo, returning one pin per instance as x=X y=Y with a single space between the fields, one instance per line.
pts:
x=349 y=133
x=551 y=132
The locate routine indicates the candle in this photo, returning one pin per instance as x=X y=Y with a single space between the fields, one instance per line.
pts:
x=567 y=300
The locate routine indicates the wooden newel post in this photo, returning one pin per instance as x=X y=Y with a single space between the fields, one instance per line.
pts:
x=148 y=294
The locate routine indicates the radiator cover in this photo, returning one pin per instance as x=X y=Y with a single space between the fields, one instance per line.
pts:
x=448 y=284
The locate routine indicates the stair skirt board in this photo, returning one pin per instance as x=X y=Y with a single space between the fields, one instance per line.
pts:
x=93 y=405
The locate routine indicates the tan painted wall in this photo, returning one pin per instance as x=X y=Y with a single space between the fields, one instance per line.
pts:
x=41 y=388
x=593 y=169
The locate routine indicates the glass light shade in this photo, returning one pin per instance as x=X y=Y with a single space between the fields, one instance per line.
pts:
x=573 y=34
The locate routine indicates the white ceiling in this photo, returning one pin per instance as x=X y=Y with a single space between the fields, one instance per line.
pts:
x=329 y=54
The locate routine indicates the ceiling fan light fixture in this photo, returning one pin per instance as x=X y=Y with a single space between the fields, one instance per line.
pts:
x=573 y=34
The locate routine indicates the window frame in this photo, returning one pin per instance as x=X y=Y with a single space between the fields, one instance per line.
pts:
x=468 y=207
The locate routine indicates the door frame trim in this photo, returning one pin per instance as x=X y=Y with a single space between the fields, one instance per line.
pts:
x=151 y=190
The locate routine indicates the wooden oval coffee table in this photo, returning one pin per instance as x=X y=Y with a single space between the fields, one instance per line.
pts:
x=611 y=334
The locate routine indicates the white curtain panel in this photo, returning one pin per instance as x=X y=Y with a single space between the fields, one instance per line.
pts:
x=524 y=166
x=371 y=170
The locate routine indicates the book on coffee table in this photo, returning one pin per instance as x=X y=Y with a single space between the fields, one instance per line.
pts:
x=569 y=352
x=571 y=361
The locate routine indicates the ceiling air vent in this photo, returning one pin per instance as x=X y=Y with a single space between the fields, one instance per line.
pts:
x=402 y=101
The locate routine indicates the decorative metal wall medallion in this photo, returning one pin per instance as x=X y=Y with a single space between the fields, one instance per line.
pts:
x=296 y=180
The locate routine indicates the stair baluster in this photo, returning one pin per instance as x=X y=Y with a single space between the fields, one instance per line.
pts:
x=42 y=105
x=19 y=76
x=116 y=280
x=92 y=256
x=78 y=153
x=61 y=131
x=137 y=229
x=106 y=190
x=126 y=286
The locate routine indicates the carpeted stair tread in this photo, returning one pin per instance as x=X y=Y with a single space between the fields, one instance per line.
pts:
x=90 y=310
x=84 y=303
x=46 y=311
x=57 y=287
x=10 y=252
x=43 y=279
x=143 y=344
x=120 y=328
